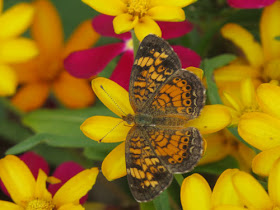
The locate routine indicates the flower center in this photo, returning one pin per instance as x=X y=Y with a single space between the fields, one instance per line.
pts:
x=253 y=108
x=138 y=7
x=271 y=72
x=38 y=204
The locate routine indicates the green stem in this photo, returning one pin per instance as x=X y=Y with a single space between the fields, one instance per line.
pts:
x=179 y=178
x=135 y=42
x=7 y=104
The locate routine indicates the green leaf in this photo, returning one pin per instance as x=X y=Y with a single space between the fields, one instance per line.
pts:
x=51 y=140
x=209 y=65
x=99 y=151
x=217 y=167
x=147 y=206
x=63 y=122
x=162 y=201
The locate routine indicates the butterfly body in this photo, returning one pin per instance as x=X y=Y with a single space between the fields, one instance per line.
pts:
x=164 y=97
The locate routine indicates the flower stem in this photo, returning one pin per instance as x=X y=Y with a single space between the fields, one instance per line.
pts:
x=135 y=42
x=179 y=178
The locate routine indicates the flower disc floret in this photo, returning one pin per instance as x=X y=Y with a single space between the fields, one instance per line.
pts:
x=138 y=7
x=40 y=204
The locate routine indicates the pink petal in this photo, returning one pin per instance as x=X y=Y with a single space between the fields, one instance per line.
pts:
x=64 y=172
x=249 y=4
x=87 y=63
x=121 y=73
x=103 y=24
x=34 y=163
x=171 y=30
x=187 y=56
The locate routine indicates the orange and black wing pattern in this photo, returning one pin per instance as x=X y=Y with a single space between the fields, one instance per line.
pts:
x=179 y=150
x=183 y=94
x=154 y=63
x=147 y=175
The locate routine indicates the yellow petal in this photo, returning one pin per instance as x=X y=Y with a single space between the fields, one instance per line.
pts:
x=17 y=178
x=47 y=28
x=82 y=38
x=10 y=206
x=212 y=118
x=224 y=192
x=263 y=162
x=274 y=183
x=244 y=40
x=229 y=207
x=116 y=6
x=233 y=101
x=269 y=30
x=73 y=92
x=178 y=3
x=250 y=191
x=216 y=150
x=16 y=20
x=235 y=73
x=114 y=166
x=113 y=96
x=260 y=130
x=195 y=193
x=248 y=95
x=124 y=23
x=146 y=26
x=8 y=80
x=167 y=13
x=17 y=50
x=1 y=6
x=271 y=70
x=40 y=188
x=31 y=96
x=71 y=206
x=105 y=129
x=197 y=71
x=76 y=187
x=269 y=98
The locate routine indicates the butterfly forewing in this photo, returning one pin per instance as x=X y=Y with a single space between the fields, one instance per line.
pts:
x=154 y=63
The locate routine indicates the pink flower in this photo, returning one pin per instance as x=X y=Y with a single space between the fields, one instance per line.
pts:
x=63 y=172
x=87 y=63
x=250 y=4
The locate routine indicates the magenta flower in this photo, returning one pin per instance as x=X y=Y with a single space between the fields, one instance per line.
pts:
x=250 y=4
x=87 y=63
x=63 y=172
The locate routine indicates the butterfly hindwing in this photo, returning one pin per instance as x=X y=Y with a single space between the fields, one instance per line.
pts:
x=154 y=63
x=147 y=176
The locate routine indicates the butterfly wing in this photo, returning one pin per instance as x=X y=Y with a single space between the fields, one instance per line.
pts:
x=154 y=63
x=179 y=150
x=147 y=175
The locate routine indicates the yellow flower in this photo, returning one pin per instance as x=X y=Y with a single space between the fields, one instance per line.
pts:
x=223 y=143
x=140 y=14
x=14 y=49
x=262 y=129
x=253 y=195
x=45 y=73
x=261 y=61
x=110 y=129
x=30 y=194
x=196 y=193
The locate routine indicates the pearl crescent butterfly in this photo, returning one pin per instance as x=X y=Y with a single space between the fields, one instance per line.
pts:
x=164 y=97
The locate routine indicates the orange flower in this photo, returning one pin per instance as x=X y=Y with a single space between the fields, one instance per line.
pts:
x=45 y=73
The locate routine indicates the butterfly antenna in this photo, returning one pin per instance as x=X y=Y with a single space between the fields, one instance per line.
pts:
x=110 y=131
x=113 y=100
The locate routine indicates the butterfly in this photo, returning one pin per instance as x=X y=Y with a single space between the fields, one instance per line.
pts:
x=164 y=97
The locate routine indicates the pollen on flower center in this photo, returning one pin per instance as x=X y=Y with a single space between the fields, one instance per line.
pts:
x=138 y=7
x=38 y=204
x=251 y=109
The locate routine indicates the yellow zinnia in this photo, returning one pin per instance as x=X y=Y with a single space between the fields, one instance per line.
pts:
x=14 y=49
x=261 y=62
x=46 y=73
x=196 y=193
x=140 y=15
x=29 y=194
x=111 y=129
